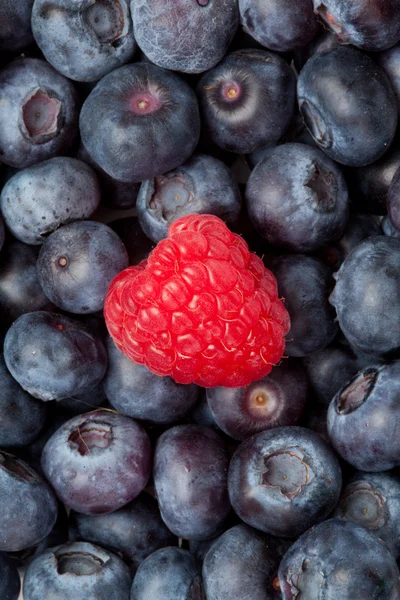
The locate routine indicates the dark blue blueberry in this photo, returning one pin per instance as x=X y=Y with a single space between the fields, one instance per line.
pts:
x=393 y=200
x=98 y=462
x=284 y=480
x=305 y=284
x=10 y=583
x=388 y=229
x=40 y=112
x=190 y=477
x=280 y=25
x=139 y=122
x=367 y=296
x=77 y=263
x=273 y=401
x=54 y=357
x=339 y=559
x=81 y=403
x=84 y=41
x=202 y=185
x=29 y=506
x=75 y=572
x=348 y=106
x=185 y=36
x=297 y=198
x=37 y=200
x=134 y=239
x=389 y=61
x=134 y=531
x=135 y=391
x=247 y=100
x=15 y=25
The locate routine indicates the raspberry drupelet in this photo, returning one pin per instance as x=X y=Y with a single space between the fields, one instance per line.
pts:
x=202 y=308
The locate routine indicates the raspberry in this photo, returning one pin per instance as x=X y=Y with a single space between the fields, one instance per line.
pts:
x=202 y=308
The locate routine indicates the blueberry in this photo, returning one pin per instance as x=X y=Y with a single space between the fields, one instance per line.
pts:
x=388 y=229
x=134 y=531
x=15 y=26
x=134 y=239
x=190 y=477
x=53 y=356
x=75 y=572
x=340 y=560
x=100 y=31
x=348 y=106
x=37 y=200
x=273 y=401
x=367 y=296
x=305 y=283
x=39 y=119
x=135 y=391
x=316 y=419
x=389 y=61
x=280 y=25
x=98 y=462
x=202 y=185
x=247 y=100
x=284 y=480
x=80 y=403
x=393 y=200
x=139 y=122
x=185 y=36
x=10 y=583
x=29 y=507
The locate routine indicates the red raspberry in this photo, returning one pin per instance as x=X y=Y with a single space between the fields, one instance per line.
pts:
x=202 y=308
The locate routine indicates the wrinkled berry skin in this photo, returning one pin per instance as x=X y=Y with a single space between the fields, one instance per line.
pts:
x=184 y=36
x=168 y=574
x=135 y=391
x=37 y=200
x=393 y=201
x=66 y=31
x=297 y=198
x=202 y=185
x=190 y=477
x=134 y=239
x=368 y=26
x=140 y=121
x=29 y=86
x=274 y=401
x=373 y=500
x=98 y=462
x=359 y=131
x=363 y=418
x=305 y=283
x=280 y=25
x=369 y=279
x=78 y=570
x=15 y=25
x=247 y=100
x=343 y=559
x=389 y=61
x=283 y=481
x=29 y=506
x=10 y=583
x=53 y=356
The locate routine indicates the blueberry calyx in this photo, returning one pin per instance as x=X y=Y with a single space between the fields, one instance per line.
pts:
x=108 y=20
x=91 y=436
x=40 y=116
x=366 y=506
x=322 y=182
x=78 y=563
x=17 y=468
x=356 y=392
x=287 y=471
x=315 y=123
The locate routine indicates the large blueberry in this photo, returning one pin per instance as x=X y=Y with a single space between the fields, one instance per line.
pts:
x=10 y=583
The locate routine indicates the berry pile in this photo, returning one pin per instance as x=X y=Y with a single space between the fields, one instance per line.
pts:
x=199 y=300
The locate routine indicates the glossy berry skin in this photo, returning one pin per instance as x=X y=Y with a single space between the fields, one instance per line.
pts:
x=202 y=309
x=369 y=280
x=185 y=36
x=359 y=23
x=77 y=263
x=373 y=500
x=29 y=511
x=247 y=100
x=10 y=583
x=346 y=559
x=168 y=574
x=37 y=200
x=393 y=200
x=283 y=481
x=157 y=118
x=274 y=401
x=134 y=239
x=135 y=391
x=305 y=284
x=279 y=25
x=28 y=87
x=361 y=130
x=190 y=476
x=98 y=462
x=363 y=417
x=53 y=356
x=65 y=31
x=75 y=571
x=202 y=185
x=15 y=26
x=297 y=198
